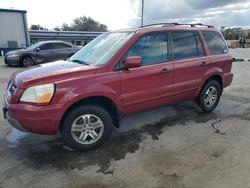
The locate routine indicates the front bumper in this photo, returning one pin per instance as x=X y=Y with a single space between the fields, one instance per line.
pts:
x=12 y=61
x=12 y=121
x=36 y=119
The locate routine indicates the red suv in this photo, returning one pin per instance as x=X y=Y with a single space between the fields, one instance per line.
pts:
x=116 y=74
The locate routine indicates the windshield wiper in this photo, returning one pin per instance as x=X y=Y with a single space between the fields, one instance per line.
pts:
x=79 y=61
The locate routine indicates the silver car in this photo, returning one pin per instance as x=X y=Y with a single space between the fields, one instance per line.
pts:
x=40 y=52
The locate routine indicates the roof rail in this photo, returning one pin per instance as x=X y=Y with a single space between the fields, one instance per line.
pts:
x=178 y=24
x=163 y=24
x=200 y=24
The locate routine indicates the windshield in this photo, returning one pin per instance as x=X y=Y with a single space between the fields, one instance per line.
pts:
x=100 y=50
x=33 y=46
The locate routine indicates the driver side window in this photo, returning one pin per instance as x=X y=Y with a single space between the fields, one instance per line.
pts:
x=152 y=48
x=47 y=46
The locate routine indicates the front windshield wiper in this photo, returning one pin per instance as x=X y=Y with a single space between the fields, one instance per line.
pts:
x=79 y=61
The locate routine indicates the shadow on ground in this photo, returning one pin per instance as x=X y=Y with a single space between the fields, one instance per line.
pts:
x=41 y=152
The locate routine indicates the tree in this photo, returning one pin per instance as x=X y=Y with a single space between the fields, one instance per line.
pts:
x=37 y=27
x=82 y=24
x=233 y=33
x=57 y=28
x=66 y=27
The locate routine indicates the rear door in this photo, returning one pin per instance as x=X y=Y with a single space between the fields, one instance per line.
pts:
x=190 y=63
x=61 y=50
x=151 y=84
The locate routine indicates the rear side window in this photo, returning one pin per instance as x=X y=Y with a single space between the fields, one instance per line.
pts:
x=186 y=44
x=61 y=45
x=152 y=48
x=215 y=42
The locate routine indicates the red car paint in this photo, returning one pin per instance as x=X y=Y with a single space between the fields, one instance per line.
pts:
x=130 y=90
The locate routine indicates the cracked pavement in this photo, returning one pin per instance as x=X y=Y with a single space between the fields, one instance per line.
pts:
x=174 y=146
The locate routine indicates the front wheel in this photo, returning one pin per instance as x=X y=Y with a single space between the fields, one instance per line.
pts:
x=86 y=127
x=28 y=61
x=209 y=96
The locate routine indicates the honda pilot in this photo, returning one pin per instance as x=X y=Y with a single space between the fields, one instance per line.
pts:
x=116 y=74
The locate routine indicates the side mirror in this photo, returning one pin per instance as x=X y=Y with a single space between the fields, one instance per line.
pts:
x=133 y=62
x=37 y=49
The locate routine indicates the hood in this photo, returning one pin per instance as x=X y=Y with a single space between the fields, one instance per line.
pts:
x=20 y=51
x=51 y=72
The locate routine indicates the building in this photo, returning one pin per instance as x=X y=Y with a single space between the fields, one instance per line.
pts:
x=14 y=33
x=13 y=30
x=79 y=38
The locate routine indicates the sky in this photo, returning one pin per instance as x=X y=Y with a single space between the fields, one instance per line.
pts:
x=119 y=14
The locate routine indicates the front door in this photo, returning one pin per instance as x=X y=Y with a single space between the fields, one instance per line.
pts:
x=150 y=85
x=45 y=53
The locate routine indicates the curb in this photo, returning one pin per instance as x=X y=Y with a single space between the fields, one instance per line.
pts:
x=240 y=60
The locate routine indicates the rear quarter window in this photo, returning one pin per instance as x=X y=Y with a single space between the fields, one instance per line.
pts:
x=215 y=42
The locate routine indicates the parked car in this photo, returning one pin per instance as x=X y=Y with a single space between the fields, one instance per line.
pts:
x=40 y=52
x=117 y=74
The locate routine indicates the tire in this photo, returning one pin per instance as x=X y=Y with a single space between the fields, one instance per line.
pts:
x=28 y=61
x=209 y=96
x=79 y=133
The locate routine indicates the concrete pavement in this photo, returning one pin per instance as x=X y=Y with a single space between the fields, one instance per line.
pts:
x=175 y=146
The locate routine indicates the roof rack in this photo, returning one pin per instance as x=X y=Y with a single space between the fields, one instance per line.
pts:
x=178 y=24
x=200 y=24
x=163 y=24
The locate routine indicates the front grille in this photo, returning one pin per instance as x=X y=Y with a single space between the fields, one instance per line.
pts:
x=11 y=90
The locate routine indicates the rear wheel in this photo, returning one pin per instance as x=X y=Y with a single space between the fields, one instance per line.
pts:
x=28 y=61
x=209 y=96
x=86 y=127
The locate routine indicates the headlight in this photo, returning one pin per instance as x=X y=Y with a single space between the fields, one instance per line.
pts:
x=40 y=94
x=12 y=55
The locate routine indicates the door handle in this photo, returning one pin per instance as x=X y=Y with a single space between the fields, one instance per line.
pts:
x=203 y=64
x=165 y=71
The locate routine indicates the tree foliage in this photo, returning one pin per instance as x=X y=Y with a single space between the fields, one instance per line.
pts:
x=38 y=27
x=82 y=24
x=233 y=33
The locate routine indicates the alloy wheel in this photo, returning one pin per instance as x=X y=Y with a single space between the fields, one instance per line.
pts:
x=210 y=96
x=27 y=62
x=87 y=129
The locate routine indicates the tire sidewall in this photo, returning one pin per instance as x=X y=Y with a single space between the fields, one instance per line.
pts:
x=75 y=113
x=203 y=92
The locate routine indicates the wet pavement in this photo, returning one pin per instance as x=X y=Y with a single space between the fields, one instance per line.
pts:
x=174 y=146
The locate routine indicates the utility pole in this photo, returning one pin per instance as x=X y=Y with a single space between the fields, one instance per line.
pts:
x=142 y=9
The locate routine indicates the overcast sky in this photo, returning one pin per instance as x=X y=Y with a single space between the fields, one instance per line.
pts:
x=117 y=14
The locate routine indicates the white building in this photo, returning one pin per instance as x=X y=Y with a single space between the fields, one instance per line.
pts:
x=14 y=33
x=13 y=30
